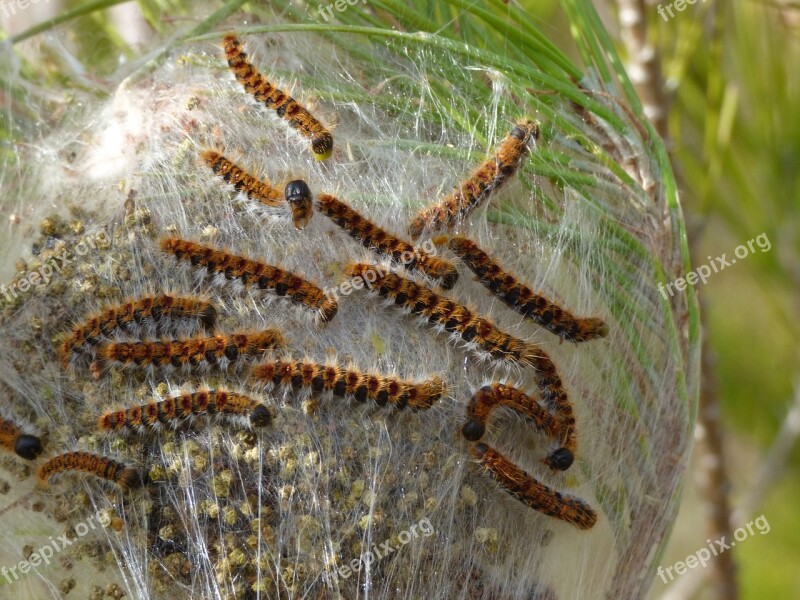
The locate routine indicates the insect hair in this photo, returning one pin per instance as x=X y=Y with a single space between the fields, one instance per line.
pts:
x=251 y=272
x=375 y=238
x=126 y=477
x=180 y=407
x=489 y=397
x=350 y=382
x=155 y=313
x=220 y=350
x=273 y=98
x=444 y=313
x=482 y=183
x=521 y=298
x=241 y=180
x=531 y=492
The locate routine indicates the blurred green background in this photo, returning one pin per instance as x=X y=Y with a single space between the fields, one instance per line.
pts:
x=734 y=135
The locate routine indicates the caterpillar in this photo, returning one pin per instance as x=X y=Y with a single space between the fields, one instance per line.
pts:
x=284 y=105
x=532 y=493
x=185 y=405
x=481 y=184
x=218 y=350
x=521 y=298
x=487 y=398
x=375 y=238
x=262 y=275
x=12 y=438
x=298 y=195
x=451 y=316
x=242 y=181
x=154 y=310
x=345 y=382
x=124 y=476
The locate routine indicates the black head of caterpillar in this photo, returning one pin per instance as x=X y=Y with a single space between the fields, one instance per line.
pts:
x=12 y=438
x=298 y=195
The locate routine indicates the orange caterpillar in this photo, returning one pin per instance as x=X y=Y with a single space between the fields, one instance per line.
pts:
x=481 y=184
x=24 y=445
x=532 y=493
x=372 y=236
x=451 y=316
x=282 y=283
x=185 y=405
x=287 y=107
x=486 y=399
x=124 y=316
x=198 y=351
x=105 y=468
x=241 y=180
x=350 y=382
x=298 y=195
x=522 y=299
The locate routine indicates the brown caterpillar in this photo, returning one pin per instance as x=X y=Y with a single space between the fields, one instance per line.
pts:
x=241 y=180
x=345 y=382
x=209 y=351
x=187 y=404
x=532 y=493
x=262 y=275
x=100 y=466
x=373 y=237
x=451 y=316
x=153 y=309
x=521 y=298
x=24 y=445
x=481 y=184
x=287 y=107
x=487 y=398
x=298 y=195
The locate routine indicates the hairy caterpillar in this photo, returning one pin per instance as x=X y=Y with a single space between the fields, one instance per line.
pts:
x=521 y=298
x=481 y=184
x=451 y=316
x=218 y=350
x=351 y=382
x=100 y=466
x=379 y=240
x=248 y=271
x=241 y=180
x=487 y=398
x=185 y=405
x=284 y=105
x=152 y=309
x=531 y=492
